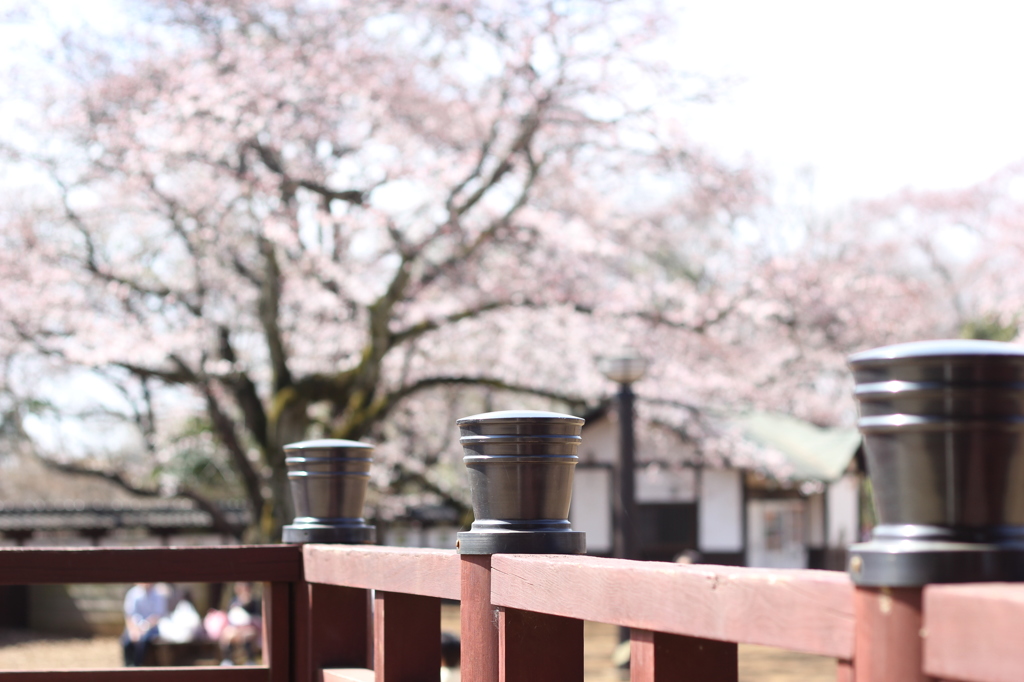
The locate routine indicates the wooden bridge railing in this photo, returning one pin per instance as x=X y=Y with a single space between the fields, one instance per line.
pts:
x=279 y=567
x=339 y=613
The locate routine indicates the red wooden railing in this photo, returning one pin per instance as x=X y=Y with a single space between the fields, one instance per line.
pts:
x=279 y=567
x=522 y=616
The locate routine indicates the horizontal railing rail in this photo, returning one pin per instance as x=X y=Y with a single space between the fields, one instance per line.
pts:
x=424 y=572
x=800 y=610
x=360 y=613
x=191 y=674
x=974 y=632
x=40 y=566
x=684 y=620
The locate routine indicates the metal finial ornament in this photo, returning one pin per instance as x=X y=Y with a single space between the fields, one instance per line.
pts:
x=943 y=425
x=521 y=467
x=328 y=480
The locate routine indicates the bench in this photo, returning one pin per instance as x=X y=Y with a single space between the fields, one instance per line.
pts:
x=197 y=652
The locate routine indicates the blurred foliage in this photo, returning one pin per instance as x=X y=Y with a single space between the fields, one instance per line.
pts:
x=198 y=463
x=990 y=328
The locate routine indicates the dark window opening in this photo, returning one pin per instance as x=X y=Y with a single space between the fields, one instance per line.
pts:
x=665 y=530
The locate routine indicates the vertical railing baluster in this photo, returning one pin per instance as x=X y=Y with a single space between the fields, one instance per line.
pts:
x=337 y=630
x=537 y=647
x=661 y=657
x=407 y=637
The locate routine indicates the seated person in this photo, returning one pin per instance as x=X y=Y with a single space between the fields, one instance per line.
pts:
x=243 y=628
x=183 y=624
x=144 y=606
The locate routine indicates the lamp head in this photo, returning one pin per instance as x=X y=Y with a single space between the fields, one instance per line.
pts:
x=626 y=368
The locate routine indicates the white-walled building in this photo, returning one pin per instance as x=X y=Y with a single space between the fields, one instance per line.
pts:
x=798 y=507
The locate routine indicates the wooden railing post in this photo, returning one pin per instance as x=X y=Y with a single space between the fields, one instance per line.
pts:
x=888 y=645
x=661 y=657
x=479 y=626
x=407 y=636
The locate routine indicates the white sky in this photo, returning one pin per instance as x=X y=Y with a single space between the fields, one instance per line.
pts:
x=872 y=95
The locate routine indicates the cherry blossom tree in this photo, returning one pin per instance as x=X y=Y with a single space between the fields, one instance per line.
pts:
x=257 y=222
x=969 y=239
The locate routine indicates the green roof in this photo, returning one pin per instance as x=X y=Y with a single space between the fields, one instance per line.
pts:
x=812 y=452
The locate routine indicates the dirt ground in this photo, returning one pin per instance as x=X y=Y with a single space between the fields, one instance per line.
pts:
x=756 y=663
x=26 y=650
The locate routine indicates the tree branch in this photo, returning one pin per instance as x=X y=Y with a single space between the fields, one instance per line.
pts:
x=271 y=158
x=224 y=427
x=90 y=262
x=244 y=391
x=422 y=328
x=522 y=146
x=349 y=196
x=182 y=375
x=386 y=403
x=402 y=476
x=269 y=309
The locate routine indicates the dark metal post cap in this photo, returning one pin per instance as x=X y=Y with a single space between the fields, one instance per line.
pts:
x=943 y=427
x=520 y=466
x=331 y=444
x=328 y=480
x=520 y=423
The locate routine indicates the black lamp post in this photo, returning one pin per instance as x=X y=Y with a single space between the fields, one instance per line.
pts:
x=625 y=370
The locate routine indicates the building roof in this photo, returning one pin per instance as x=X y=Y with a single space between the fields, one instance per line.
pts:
x=811 y=452
x=166 y=515
x=779 y=446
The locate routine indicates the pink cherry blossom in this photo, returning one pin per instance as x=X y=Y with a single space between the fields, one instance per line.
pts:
x=260 y=222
